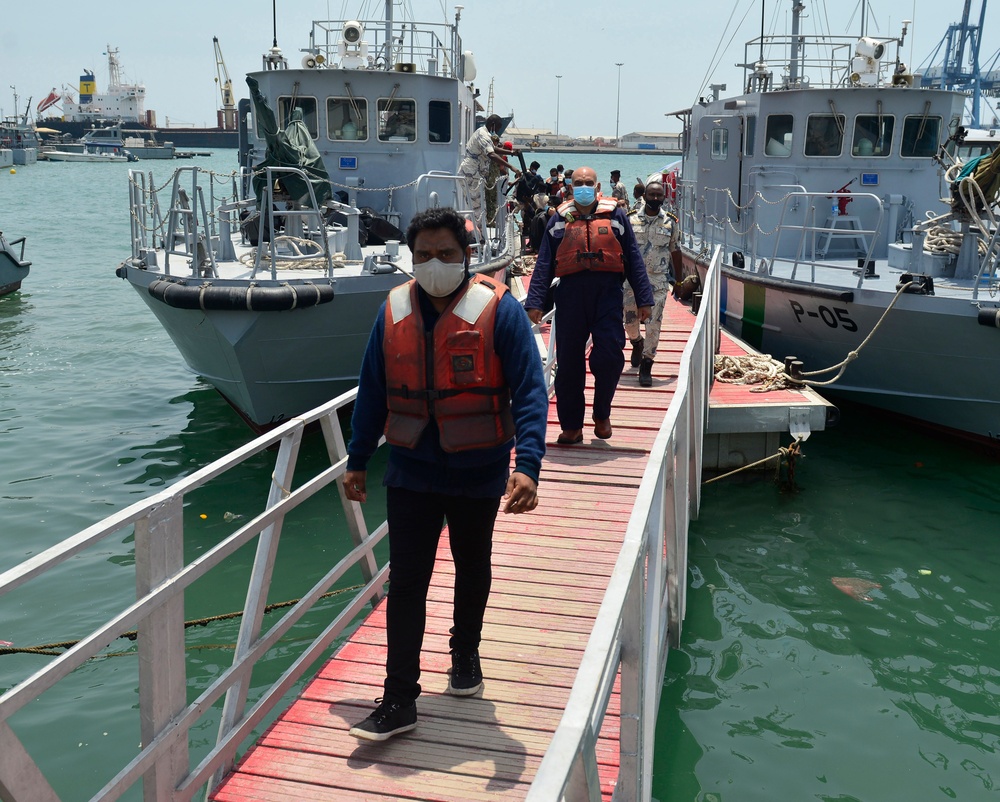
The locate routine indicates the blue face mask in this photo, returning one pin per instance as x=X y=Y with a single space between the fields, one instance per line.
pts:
x=584 y=196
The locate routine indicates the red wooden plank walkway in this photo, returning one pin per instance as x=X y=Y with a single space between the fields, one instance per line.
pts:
x=551 y=568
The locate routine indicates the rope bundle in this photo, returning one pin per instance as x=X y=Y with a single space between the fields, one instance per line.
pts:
x=753 y=369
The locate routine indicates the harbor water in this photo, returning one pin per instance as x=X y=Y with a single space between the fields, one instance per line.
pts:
x=783 y=684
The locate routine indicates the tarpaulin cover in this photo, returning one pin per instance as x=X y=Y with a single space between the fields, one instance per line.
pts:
x=289 y=147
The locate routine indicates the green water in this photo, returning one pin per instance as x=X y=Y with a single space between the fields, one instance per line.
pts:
x=785 y=686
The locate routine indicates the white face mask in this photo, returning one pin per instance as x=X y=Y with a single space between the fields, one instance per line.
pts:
x=437 y=278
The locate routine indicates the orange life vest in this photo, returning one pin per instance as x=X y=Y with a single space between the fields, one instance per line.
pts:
x=452 y=373
x=589 y=243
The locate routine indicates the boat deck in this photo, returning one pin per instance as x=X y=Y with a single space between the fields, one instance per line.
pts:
x=551 y=568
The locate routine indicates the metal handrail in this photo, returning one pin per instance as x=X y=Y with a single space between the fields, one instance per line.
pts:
x=642 y=610
x=158 y=610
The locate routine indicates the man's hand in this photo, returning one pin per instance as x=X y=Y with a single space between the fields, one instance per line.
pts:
x=355 y=485
x=645 y=313
x=521 y=494
x=534 y=315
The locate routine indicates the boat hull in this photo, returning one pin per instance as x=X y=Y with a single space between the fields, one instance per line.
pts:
x=63 y=156
x=273 y=365
x=12 y=273
x=930 y=359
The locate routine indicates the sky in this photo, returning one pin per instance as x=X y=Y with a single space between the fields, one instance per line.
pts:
x=669 y=50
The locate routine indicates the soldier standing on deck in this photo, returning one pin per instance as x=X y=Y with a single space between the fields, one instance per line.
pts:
x=655 y=234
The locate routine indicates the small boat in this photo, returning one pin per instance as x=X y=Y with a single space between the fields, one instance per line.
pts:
x=88 y=154
x=268 y=283
x=18 y=136
x=115 y=139
x=13 y=267
x=853 y=240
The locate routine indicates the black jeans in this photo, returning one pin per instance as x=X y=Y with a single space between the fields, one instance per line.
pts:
x=415 y=524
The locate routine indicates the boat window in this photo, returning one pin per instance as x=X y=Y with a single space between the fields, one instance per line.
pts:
x=824 y=134
x=872 y=135
x=778 y=136
x=921 y=136
x=439 y=121
x=397 y=120
x=286 y=104
x=720 y=144
x=750 y=129
x=347 y=118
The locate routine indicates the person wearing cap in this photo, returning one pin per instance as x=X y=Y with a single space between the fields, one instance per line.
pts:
x=656 y=235
x=451 y=422
x=480 y=154
x=617 y=189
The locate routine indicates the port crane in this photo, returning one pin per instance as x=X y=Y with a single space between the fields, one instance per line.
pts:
x=227 y=114
x=960 y=68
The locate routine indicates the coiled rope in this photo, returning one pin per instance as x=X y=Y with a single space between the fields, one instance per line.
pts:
x=758 y=369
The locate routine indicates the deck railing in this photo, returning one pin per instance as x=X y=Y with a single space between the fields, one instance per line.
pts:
x=643 y=607
x=161 y=578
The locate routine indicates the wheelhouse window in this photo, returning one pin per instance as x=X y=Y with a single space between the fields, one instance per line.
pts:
x=824 y=134
x=286 y=104
x=439 y=121
x=921 y=136
x=397 y=120
x=778 y=135
x=720 y=144
x=872 y=135
x=750 y=135
x=347 y=118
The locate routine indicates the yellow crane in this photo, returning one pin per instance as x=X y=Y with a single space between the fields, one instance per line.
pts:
x=227 y=115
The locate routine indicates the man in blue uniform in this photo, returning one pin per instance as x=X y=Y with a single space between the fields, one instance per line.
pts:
x=589 y=245
x=451 y=375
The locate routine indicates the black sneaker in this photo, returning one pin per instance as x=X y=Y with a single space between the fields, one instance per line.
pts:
x=637 y=351
x=390 y=718
x=466 y=674
x=646 y=373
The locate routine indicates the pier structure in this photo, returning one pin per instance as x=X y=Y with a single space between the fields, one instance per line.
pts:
x=587 y=599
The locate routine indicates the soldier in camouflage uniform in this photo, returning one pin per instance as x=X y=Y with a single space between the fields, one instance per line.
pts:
x=656 y=235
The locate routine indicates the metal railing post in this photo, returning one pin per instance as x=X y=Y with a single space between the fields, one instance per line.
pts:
x=260 y=582
x=159 y=555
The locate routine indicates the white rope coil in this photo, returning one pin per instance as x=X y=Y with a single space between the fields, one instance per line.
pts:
x=753 y=369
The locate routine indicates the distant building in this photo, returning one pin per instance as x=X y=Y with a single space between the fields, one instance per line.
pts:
x=647 y=140
x=528 y=136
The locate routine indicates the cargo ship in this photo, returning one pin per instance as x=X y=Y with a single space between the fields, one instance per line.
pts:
x=123 y=105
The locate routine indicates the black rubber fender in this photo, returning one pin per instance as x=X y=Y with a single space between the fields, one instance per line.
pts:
x=246 y=298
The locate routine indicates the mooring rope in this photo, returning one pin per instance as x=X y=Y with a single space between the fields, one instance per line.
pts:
x=50 y=648
x=852 y=355
x=789 y=454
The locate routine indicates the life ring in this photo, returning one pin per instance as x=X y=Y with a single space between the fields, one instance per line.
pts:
x=670 y=185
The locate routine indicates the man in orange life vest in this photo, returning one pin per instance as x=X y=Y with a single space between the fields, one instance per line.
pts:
x=452 y=376
x=590 y=246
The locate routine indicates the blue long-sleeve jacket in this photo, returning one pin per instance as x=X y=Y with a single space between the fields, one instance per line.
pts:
x=480 y=473
x=635 y=267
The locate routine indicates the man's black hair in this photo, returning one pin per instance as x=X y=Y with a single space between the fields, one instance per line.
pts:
x=493 y=120
x=439 y=217
x=554 y=171
x=534 y=166
x=617 y=173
